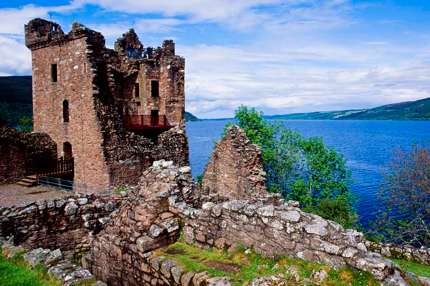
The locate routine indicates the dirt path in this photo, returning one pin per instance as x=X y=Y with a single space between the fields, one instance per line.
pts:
x=13 y=195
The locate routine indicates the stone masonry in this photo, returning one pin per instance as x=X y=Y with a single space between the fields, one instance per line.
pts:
x=20 y=151
x=123 y=252
x=235 y=169
x=69 y=223
x=108 y=109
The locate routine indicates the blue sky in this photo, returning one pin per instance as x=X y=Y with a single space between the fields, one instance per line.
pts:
x=280 y=56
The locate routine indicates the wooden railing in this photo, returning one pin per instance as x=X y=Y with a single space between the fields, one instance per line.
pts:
x=141 y=122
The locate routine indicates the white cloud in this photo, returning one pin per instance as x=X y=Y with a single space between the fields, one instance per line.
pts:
x=15 y=58
x=284 y=84
x=13 y=19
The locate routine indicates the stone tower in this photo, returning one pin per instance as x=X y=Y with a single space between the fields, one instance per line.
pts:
x=113 y=111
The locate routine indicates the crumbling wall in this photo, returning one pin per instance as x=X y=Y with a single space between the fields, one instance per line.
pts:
x=148 y=220
x=20 y=151
x=68 y=223
x=235 y=169
x=283 y=230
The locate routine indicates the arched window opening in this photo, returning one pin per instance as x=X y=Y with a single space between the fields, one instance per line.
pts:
x=67 y=151
x=66 y=113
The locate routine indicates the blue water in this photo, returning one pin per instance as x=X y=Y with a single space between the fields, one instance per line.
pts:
x=368 y=147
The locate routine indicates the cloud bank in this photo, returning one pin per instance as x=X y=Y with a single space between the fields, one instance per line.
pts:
x=280 y=56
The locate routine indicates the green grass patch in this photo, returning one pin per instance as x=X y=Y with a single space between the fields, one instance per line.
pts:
x=414 y=267
x=15 y=272
x=242 y=267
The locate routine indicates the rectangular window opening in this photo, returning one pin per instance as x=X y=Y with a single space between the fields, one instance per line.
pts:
x=136 y=89
x=54 y=75
x=155 y=90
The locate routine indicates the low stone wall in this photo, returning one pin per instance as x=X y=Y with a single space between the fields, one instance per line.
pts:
x=283 y=230
x=421 y=255
x=19 y=149
x=69 y=224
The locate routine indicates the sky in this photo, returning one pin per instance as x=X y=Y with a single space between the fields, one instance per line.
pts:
x=280 y=56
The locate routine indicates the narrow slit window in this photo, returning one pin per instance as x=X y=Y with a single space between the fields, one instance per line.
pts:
x=66 y=113
x=155 y=89
x=136 y=90
x=54 y=73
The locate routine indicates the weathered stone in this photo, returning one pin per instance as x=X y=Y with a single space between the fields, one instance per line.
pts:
x=74 y=74
x=165 y=268
x=36 y=256
x=53 y=257
x=293 y=216
x=187 y=278
x=235 y=169
x=218 y=281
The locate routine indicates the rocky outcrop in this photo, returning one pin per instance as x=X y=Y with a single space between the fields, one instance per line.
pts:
x=69 y=224
x=235 y=169
x=20 y=151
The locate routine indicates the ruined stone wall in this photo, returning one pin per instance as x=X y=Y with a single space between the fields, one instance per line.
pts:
x=20 y=150
x=148 y=220
x=68 y=223
x=421 y=255
x=235 y=169
x=98 y=84
x=75 y=75
x=283 y=230
x=172 y=82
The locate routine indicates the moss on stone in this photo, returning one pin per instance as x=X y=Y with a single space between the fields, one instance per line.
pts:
x=242 y=266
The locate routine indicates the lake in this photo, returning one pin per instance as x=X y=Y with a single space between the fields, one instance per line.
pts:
x=368 y=147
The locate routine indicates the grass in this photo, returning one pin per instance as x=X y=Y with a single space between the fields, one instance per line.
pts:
x=243 y=266
x=15 y=272
x=414 y=267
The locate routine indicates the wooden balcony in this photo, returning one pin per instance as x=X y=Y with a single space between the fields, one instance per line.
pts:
x=146 y=122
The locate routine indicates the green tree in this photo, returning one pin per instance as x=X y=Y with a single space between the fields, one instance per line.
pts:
x=25 y=124
x=301 y=169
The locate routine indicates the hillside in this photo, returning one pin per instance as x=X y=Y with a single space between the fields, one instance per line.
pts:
x=410 y=110
x=190 y=117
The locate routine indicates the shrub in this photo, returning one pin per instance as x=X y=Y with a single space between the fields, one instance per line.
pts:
x=405 y=194
x=301 y=169
x=25 y=124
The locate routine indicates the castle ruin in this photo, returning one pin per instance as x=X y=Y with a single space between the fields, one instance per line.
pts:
x=112 y=112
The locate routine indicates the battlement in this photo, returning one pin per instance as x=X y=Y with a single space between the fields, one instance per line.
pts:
x=40 y=33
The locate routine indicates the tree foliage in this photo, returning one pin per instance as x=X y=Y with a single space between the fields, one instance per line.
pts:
x=301 y=169
x=25 y=124
x=405 y=194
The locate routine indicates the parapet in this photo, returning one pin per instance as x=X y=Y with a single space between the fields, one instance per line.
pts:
x=41 y=33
